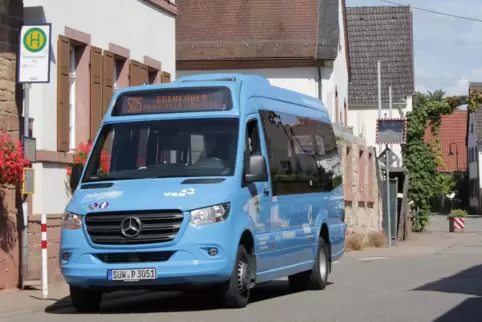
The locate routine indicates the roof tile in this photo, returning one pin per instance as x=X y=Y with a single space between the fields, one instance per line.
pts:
x=452 y=133
x=248 y=29
x=380 y=33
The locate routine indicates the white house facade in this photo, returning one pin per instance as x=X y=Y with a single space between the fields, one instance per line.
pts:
x=305 y=80
x=362 y=121
x=473 y=158
x=474 y=153
x=97 y=47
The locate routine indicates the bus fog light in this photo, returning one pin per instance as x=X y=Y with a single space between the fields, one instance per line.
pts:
x=212 y=251
x=66 y=256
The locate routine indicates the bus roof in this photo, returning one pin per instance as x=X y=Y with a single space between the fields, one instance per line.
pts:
x=239 y=84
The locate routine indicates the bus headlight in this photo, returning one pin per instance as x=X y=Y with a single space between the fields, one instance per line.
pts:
x=71 y=221
x=210 y=215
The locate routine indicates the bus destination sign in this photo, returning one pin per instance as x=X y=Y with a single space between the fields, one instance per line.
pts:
x=174 y=101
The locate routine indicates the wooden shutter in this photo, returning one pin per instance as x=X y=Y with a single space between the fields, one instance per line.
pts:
x=165 y=77
x=345 y=111
x=144 y=74
x=108 y=80
x=96 y=101
x=371 y=178
x=135 y=77
x=108 y=64
x=63 y=93
x=361 y=175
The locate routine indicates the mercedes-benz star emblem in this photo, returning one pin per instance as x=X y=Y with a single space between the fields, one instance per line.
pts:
x=131 y=227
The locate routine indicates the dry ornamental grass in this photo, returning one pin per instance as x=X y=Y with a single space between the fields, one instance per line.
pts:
x=353 y=242
x=377 y=239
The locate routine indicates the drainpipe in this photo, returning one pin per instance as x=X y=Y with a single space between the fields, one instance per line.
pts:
x=320 y=92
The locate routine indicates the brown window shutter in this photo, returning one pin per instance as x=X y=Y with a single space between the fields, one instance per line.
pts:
x=63 y=93
x=135 y=73
x=345 y=111
x=96 y=101
x=108 y=80
x=165 y=77
x=107 y=91
x=144 y=74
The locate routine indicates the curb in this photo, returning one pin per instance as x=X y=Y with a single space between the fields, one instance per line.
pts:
x=66 y=304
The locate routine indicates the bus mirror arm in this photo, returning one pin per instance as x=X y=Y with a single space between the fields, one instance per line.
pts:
x=257 y=169
x=77 y=169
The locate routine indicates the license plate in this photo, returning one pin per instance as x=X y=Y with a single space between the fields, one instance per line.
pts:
x=131 y=275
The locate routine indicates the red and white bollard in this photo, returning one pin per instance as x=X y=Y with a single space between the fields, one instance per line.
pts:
x=456 y=224
x=459 y=223
x=43 y=226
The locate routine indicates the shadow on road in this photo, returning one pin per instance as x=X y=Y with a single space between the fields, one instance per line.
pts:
x=467 y=282
x=158 y=302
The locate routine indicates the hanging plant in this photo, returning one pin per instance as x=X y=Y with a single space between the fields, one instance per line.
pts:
x=80 y=157
x=12 y=160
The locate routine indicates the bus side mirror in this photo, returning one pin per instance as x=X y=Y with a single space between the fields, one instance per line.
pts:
x=257 y=170
x=77 y=169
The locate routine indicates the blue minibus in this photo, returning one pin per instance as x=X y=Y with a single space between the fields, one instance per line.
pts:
x=213 y=182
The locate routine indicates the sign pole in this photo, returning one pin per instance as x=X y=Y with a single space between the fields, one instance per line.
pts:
x=379 y=81
x=390 y=106
x=390 y=131
x=26 y=130
x=33 y=67
x=387 y=165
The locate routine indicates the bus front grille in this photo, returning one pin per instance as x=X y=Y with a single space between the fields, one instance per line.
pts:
x=133 y=227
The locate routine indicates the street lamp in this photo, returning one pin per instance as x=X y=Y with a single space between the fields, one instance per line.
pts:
x=456 y=154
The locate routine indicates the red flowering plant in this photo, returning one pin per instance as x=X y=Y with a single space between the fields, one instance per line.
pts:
x=80 y=157
x=12 y=160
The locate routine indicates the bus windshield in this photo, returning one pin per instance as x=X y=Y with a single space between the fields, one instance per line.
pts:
x=197 y=147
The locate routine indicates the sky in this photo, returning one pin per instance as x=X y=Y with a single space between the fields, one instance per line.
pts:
x=448 y=51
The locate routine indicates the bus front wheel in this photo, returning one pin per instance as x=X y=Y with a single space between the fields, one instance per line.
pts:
x=235 y=294
x=85 y=300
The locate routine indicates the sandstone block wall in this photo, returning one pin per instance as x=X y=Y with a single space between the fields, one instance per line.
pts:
x=10 y=223
x=363 y=200
x=11 y=17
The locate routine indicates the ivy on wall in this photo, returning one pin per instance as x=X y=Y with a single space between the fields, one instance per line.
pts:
x=474 y=101
x=422 y=158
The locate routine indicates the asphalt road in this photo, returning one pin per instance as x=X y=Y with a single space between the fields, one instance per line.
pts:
x=426 y=283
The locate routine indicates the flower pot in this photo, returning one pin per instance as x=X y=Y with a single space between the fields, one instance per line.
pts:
x=456 y=224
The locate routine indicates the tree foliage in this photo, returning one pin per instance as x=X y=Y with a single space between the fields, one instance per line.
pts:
x=474 y=100
x=422 y=158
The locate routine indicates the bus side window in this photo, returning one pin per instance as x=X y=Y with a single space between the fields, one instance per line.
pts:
x=252 y=144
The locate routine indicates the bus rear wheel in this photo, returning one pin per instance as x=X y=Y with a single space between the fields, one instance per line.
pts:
x=317 y=277
x=236 y=293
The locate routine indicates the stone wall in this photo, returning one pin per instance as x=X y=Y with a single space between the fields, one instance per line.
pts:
x=11 y=17
x=9 y=237
x=361 y=177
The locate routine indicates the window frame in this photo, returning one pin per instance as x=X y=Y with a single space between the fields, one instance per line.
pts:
x=247 y=154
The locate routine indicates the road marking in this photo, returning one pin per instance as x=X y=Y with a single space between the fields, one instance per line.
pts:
x=336 y=262
x=370 y=258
